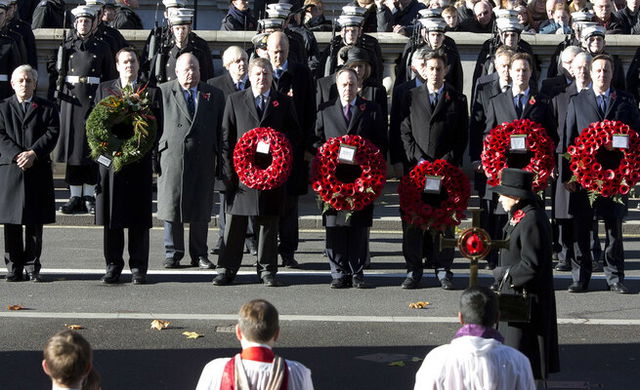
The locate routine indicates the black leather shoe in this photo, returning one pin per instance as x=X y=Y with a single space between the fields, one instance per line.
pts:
x=35 y=277
x=90 y=204
x=358 y=282
x=171 y=263
x=410 y=283
x=577 y=288
x=619 y=288
x=203 y=263
x=110 y=278
x=138 y=278
x=223 y=280
x=340 y=283
x=271 y=281
x=290 y=263
x=14 y=277
x=446 y=284
x=563 y=266
x=73 y=205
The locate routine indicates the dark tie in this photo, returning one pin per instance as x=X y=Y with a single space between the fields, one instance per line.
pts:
x=191 y=103
x=602 y=105
x=25 y=107
x=260 y=105
x=518 y=104
x=347 y=113
x=240 y=86
x=434 y=101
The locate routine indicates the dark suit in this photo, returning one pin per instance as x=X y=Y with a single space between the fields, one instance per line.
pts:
x=583 y=110
x=431 y=134
x=26 y=197
x=454 y=75
x=124 y=199
x=396 y=151
x=241 y=116
x=346 y=243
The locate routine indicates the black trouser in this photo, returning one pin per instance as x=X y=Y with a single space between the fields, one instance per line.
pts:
x=22 y=254
x=288 y=228
x=230 y=256
x=494 y=224
x=77 y=175
x=174 y=240
x=415 y=240
x=250 y=239
x=138 y=247
x=346 y=250
x=581 y=264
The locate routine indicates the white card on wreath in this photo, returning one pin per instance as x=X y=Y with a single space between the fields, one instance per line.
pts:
x=432 y=184
x=263 y=147
x=347 y=153
x=518 y=142
x=621 y=141
x=104 y=160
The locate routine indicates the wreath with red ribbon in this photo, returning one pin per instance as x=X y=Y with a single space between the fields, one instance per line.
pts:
x=451 y=210
x=252 y=173
x=351 y=195
x=497 y=144
x=588 y=170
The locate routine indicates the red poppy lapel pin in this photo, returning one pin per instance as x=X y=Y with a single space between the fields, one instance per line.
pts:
x=517 y=217
x=613 y=95
x=34 y=105
x=206 y=96
x=275 y=103
x=532 y=100
x=362 y=107
x=446 y=96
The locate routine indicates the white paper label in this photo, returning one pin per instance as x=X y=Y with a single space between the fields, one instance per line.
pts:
x=518 y=142
x=621 y=141
x=432 y=184
x=263 y=147
x=347 y=153
x=104 y=160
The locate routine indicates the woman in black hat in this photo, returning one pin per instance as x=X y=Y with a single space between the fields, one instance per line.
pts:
x=528 y=261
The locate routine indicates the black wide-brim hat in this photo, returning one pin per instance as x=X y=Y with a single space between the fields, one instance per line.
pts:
x=516 y=183
x=356 y=55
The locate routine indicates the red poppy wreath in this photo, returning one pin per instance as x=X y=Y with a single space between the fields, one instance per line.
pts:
x=350 y=186
x=605 y=160
x=262 y=158
x=452 y=187
x=536 y=146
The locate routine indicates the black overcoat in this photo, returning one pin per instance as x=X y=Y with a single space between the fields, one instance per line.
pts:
x=27 y=197
x=438 y=134
x=530 y=267
x=241 y=116
x=396 y=151
x=372 y=90
x=367 y=122
x=561 y=106
x=10 y=59
x=124 y=198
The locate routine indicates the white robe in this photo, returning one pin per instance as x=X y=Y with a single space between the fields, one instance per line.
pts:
x=475 y=363
x=257 y=373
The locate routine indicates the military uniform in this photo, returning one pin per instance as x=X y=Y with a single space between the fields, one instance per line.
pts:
x=24 y=30
x=126 y=18
x=50 y=14
x=9 y=60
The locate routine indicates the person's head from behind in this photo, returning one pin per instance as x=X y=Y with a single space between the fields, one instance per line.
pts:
x=67 y=358
x=479 y=306
x=258 y=322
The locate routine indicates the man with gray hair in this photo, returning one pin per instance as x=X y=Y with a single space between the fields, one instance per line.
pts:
x=28 y=133
x=256 y=367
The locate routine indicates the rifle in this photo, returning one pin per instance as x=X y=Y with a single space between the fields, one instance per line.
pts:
x=61 y=62
x=327 y=64
x=155 y=41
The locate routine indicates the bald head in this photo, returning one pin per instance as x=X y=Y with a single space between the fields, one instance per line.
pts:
x=278 y=48
x=188 y=70
x=482 y=11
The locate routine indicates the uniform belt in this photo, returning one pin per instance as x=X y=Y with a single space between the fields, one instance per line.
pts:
x=82 y=80
x=4 y=77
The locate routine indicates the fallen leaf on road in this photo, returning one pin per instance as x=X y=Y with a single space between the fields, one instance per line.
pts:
x=418 y=305
x=192 y=335
x=399 y=363
x=15 y=307
x=74 y=327
x=160 y=324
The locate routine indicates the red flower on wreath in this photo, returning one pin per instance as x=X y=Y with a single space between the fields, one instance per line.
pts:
x=589 y=172
x=275 y=103
x=244 y=153
x=451 y=210
x=497 y=144
x=517 y=217
x=360 y=193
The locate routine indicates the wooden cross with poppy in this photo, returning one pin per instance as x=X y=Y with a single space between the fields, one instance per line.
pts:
x=474 y=243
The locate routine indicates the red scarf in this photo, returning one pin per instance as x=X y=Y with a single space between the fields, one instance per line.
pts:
x=258 y=354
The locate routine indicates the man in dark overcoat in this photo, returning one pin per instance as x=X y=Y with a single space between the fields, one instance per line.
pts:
x=89 y=61
x=126 y=17
x=600 y=102
x=435 y=126
x=28 y=133
x=235 y=61
x=188 y=151
x=124 y=198
x=346 y=238
x=295 y=80
x=528 y=263
x=259 y=106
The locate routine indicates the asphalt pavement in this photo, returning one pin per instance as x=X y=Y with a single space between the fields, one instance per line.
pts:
x=350 y=339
